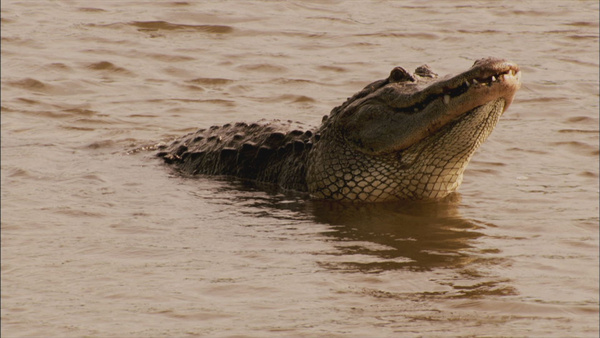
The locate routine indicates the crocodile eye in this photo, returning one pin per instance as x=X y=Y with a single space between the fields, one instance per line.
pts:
x=425 y=71
x=400 y=74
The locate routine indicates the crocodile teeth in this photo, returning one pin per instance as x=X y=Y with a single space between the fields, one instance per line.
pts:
x=505 y=76
x=446 y=99
x=475 y=81
x=467 y=83
x=493 y=78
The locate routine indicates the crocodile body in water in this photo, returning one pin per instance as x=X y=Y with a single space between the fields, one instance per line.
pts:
x=409 y=136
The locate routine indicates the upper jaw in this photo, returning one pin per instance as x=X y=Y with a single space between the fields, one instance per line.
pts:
x=487 y=80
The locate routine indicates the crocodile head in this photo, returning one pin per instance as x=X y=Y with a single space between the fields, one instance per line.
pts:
x=410 y=136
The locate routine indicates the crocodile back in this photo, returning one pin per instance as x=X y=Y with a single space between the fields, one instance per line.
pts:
x=271 y=152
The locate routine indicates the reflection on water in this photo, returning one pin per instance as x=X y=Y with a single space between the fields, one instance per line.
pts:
x=418 y=236
x=415 y=236
x=374 y=238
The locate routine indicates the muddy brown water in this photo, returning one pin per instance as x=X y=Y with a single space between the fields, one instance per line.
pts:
x=98 y=242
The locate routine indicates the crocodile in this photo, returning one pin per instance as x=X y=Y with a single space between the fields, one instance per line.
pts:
x=409 y=136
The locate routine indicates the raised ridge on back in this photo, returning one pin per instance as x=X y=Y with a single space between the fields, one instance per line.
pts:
x=265 y=151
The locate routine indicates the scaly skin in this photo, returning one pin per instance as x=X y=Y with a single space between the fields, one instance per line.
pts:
x=409 y=136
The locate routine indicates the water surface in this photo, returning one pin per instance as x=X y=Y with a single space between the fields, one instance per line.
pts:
x=97 y=241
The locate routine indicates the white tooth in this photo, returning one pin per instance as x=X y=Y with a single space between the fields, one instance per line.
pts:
x=493 y=78
x=505 y=77
x=446 y=99
x=467 y=83
x=475 y=81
